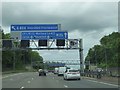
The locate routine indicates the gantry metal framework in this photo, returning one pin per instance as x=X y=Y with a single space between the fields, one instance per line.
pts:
x=52 y=46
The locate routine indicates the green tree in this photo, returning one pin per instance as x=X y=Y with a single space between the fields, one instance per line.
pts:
x=105 y=54
x=21 y=58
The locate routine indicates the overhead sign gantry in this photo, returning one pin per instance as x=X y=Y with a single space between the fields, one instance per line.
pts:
x=48 y=36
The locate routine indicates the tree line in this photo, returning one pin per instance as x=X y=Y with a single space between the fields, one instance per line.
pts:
x=107 y=53
x=19 y=59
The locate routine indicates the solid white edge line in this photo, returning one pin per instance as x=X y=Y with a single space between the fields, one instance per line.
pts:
x=103 y=83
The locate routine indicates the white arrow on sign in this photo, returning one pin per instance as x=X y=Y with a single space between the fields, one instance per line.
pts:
x=13 y=28
x=65 y=35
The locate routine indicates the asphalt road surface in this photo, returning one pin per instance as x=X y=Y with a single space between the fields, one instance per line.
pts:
x=32 y=80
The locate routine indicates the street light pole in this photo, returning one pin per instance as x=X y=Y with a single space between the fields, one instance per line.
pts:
x=106 y=59
x=95 y=56
x=14 y=55
x=14 y=60
x=31 y=58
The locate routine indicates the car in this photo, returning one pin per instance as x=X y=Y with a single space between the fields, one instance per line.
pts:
x=72 y=74
x=51 y=71
x=61 y=71
x=42 y=72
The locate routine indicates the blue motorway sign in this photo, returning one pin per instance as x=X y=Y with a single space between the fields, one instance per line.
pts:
x=33 y=27
x=43 y=35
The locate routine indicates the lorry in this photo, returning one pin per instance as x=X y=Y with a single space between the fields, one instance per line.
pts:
x=42 y=72
x=61 y=71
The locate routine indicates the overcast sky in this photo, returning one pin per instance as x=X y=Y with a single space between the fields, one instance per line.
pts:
x=87 y=20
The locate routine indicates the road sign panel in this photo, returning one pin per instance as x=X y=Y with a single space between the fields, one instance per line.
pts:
x=73 y=43
x=43 y=35
x=33 y=27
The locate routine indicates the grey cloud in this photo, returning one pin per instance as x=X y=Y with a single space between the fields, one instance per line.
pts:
x=0 y=14
x=87 y=21
x=97 y=17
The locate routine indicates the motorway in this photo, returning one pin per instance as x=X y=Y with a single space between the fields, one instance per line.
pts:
x=32 y=80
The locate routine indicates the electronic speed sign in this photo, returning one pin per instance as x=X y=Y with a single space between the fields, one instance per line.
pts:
x=73 y=43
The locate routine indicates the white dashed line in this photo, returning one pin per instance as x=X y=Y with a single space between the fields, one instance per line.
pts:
x=28 y=81
x=32 y=78
x=65 y=86
x=53 y=78
x=104 y=83
x=21 y=87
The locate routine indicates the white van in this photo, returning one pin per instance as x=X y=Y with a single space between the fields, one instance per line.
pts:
x=56 y=71
x=61 y=71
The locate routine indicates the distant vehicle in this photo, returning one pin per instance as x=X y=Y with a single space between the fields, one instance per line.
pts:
x=56 y=71
x=99 y=72
x=61 y=71
x=51 y=71
x=72 y=74
x=46 y=70
x=42 y=72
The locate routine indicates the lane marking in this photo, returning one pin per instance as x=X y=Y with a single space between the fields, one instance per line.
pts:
x=32 y=78
x=65 y=86
x=28 y=81
x=53 y=78
x=104 y=83
x=22 y=87
x=10 y=75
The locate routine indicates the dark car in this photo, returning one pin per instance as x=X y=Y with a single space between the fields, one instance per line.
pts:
x=42 y=73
